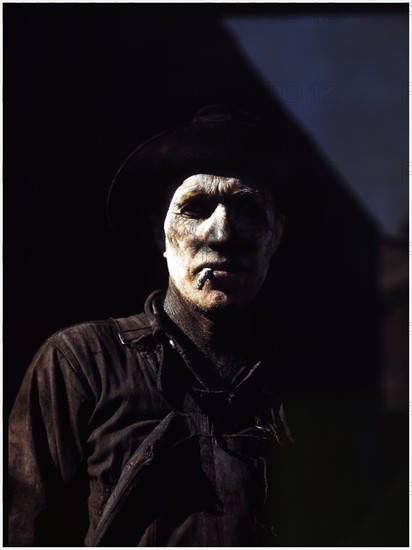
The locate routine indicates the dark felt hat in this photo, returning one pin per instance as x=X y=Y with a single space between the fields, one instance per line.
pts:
x=219 y=141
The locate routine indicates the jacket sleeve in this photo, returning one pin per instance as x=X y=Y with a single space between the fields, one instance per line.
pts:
x=47 y=433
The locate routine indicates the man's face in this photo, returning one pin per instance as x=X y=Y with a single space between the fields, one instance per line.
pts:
x=220 y=235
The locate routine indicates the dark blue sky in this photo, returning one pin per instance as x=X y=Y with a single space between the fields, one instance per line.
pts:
x=345 y=79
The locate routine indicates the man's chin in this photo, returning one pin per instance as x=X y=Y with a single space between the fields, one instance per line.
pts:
x=214 y=302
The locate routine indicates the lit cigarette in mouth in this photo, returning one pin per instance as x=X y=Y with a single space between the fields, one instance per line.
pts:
x=205 y=274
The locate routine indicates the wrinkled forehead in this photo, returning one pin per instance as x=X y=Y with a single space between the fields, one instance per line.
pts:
x=220 y=186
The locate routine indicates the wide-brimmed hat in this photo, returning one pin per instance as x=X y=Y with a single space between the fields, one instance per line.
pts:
x=218 y=140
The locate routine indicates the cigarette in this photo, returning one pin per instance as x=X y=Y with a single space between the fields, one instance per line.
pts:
x=205 y=274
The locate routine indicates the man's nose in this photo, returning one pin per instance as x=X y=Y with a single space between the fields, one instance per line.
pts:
x=218 y=227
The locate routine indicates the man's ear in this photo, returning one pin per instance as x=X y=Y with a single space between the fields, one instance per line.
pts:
x=278 y=232
x=156 y=221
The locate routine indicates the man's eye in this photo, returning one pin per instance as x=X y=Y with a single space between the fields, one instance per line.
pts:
x=250 y=211
x=197 y=208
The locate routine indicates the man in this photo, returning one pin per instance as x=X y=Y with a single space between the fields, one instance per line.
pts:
x=167 y=428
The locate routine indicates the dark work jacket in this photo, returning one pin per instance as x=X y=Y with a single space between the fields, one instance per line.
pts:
x=201 y=466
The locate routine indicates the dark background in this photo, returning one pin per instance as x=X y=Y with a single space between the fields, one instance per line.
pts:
x=84 y=84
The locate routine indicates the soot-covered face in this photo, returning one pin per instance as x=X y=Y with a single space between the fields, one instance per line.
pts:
x=220 y=234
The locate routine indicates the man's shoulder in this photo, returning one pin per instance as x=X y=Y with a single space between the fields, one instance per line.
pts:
x=92 y=349
x=95 y=346
x=106 y=332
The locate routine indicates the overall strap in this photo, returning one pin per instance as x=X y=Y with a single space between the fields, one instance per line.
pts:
x=148 y=453
x=133 y=328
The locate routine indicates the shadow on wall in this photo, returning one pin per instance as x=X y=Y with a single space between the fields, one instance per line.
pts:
x=85 y=84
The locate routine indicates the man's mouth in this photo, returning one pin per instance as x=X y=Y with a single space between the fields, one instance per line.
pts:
x=216 y=271
x=222 y=266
